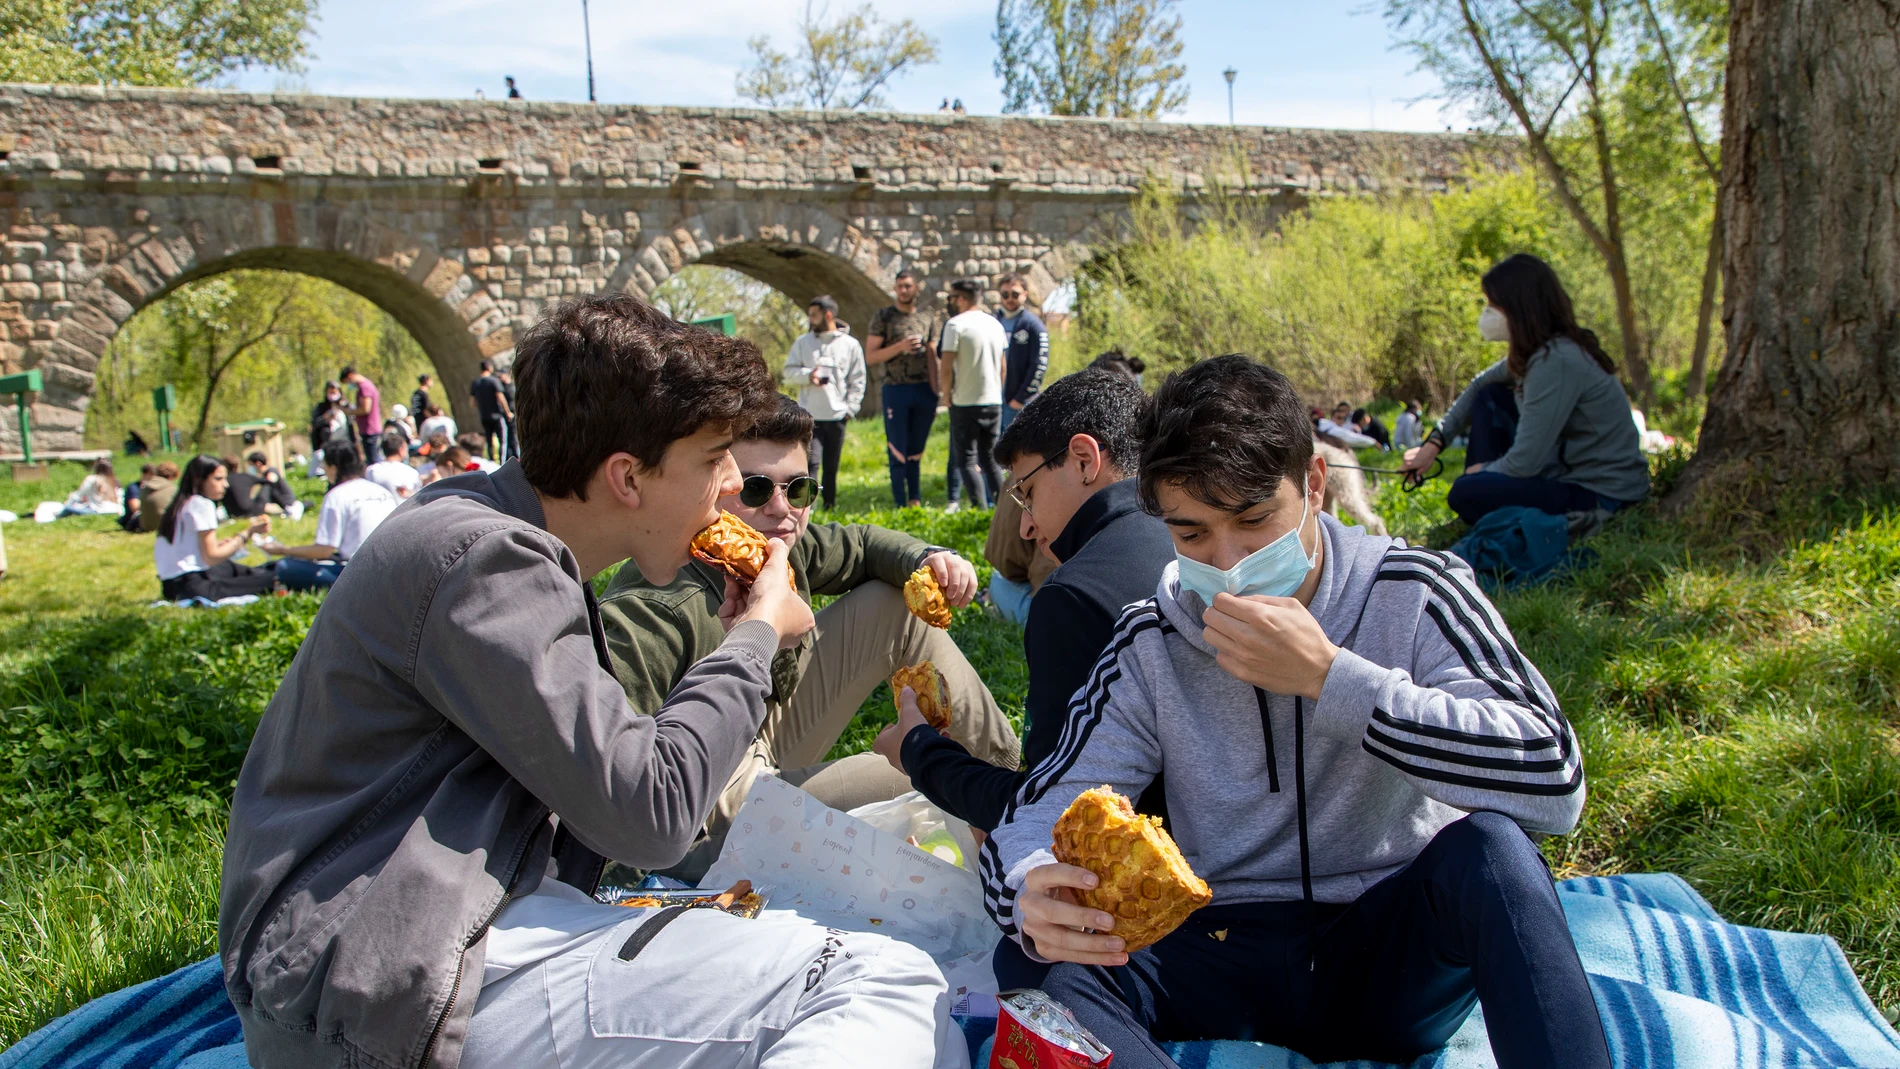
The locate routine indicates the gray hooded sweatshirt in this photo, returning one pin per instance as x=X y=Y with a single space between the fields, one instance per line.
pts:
x=1430 y=712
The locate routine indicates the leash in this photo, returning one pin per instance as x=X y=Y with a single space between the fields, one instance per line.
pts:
x=1413 y=479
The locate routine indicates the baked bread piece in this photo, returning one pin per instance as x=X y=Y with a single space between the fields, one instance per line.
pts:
x=925 y=598
x=1146 y=885
x=732 y=546
x=933 y=694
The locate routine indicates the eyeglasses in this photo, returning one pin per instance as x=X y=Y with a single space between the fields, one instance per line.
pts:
x=1016 y=490
x=758 y=489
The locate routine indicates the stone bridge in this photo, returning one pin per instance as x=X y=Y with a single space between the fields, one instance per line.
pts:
x=465 y=219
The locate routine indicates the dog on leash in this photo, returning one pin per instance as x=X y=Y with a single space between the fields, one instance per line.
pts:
x=1346 y=487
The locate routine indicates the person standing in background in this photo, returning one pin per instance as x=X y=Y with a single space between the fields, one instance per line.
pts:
x=827 y=366
x=507 y=380
x=368 y=409
x=419 y=398
x=972 y=356
x=902 y=339
x=1028 y=354
x=491 y=403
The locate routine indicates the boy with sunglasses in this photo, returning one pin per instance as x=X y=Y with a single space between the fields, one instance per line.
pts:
x=655 y=633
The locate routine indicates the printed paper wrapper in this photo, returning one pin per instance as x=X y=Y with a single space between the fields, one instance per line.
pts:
x=837 y=870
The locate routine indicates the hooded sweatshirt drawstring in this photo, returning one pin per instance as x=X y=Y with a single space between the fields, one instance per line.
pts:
x=1299 y=797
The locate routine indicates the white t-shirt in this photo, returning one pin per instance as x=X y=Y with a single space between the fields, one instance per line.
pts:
x=979 y=343
x=393 y=476
x=351 y=510
x=179 y=554
x=483 y=464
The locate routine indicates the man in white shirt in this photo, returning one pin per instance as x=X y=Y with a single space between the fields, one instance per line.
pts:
x=352 y=509
x=972 y=355
x=393 y=472
x=827 y=366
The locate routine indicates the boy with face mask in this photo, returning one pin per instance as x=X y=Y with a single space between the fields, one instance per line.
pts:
x=1354 y=751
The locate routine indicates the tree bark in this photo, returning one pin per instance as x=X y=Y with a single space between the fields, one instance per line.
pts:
x=1810 y=390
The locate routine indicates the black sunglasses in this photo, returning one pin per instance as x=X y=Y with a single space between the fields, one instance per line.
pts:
x=758 y=489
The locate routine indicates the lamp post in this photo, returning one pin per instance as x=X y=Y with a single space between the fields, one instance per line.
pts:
x=587 y=35
x=1229 y=75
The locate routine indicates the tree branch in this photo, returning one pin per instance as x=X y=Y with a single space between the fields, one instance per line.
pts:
x=1682 y=100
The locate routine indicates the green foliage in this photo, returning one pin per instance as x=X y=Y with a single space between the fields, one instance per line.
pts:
x=1106 y=58
x=766 y=317
x=149 y=42
x=844 y=63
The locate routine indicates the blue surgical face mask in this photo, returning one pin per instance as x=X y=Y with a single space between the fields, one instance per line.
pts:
x=1275 y=570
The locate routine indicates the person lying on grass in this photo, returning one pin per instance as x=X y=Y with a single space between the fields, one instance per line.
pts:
x=656 y=632
x=434 y=789
x=1354 y=749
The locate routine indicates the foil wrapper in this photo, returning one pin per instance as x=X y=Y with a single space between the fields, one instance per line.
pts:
x=1034 y=1031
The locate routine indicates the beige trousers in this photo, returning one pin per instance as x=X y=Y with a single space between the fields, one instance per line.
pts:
x=861 y=639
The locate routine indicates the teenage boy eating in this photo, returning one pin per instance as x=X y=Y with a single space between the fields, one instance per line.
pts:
x=432 y=793
x=657 y=631
x=1355 y=751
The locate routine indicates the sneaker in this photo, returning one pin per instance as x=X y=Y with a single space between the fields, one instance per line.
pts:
x=954 y=506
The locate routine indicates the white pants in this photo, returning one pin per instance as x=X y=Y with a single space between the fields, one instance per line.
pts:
x=713 y=990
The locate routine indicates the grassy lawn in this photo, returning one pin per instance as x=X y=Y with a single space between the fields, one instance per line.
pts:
x=1737 y=711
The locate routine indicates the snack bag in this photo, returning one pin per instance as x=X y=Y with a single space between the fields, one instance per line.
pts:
x=1034 y=1031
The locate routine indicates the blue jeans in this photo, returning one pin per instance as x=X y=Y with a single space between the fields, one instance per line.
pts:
x=909 y=411
x=1493 y=429
x=299 y=574
x=1474 y=918
x=1009 y=417
x=1010 y=598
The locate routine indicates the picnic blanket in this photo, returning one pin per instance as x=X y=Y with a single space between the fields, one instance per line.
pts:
x=1677 y=987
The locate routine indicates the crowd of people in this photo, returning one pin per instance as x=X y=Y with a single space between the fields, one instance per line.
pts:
x=1346 y=742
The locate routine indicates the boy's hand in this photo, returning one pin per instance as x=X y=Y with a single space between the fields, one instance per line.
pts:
x=955 y=575
x=770 y=598
x=890 y=741
x=1272 y=643
x=1055 y=923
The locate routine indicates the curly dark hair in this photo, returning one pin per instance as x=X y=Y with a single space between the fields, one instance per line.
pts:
x=1225 y=431
x=610 y=374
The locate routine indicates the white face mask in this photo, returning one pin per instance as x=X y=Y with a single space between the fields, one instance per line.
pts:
x=1492 y=326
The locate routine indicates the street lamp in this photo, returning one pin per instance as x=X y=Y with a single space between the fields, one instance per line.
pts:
x=1227 y=74
x=587 y=34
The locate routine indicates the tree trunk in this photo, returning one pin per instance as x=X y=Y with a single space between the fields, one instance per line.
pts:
x=1705 y=311
x=1810 y=389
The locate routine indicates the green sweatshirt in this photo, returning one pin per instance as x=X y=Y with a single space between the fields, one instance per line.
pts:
x=655 y=633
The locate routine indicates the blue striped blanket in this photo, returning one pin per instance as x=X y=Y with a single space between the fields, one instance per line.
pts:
x=1677 y=987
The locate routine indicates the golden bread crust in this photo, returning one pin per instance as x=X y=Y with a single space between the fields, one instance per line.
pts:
x=1146 y=885
x=732 y=546
x=933 y=694
x=924 y=598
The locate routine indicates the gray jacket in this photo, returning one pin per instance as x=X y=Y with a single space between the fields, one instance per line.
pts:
x=448 y=735
x=1430 y=712
x=1573 y=424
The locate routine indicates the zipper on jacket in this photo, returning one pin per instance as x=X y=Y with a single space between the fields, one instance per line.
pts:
x=461 y=958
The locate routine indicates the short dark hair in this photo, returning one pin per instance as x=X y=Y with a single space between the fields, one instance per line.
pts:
x=147 y=469
x=1010 y=277
x=825 y=301
x=1356 y=414
x=230 y=462
x=1120 y=363
x=488 y=365
x=1100 y=404
x=423 y=379
x=392 y=444
x=348 y=370
x=788 y=423
x=1226 y=431
x=905 y=273
x=610 y=374
x=968 y=287
x=472 y=441
x=257 y=457
x=344 y=458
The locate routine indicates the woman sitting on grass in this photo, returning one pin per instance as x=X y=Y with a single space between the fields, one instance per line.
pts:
x=1549 y=425
x=193 y=562
x=98 y=495
x=350 y=511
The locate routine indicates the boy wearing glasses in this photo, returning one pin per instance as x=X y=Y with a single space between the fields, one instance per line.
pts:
x=655 y=633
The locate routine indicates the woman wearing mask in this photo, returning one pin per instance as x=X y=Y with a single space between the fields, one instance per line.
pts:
x=1549 y=425
x=192 y=561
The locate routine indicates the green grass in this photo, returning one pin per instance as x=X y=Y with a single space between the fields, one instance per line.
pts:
x=1737 y=711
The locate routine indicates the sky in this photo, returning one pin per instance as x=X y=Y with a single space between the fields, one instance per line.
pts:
x=1319 y=63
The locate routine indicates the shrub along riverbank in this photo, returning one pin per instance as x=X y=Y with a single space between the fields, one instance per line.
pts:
x=1737 y=713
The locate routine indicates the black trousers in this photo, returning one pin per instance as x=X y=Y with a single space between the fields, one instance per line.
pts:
x=495 y=437
x=224 y=580
x=1474 y=918
x=827 y=445
x=972 y=440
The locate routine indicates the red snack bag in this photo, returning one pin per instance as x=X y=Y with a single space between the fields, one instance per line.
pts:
x=1034 y=1031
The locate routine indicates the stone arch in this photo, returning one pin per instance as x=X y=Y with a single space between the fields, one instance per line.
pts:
x=110 y=274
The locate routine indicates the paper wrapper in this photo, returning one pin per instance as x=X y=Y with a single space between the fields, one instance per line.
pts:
x=1034 y=1031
